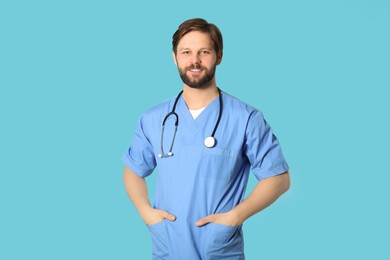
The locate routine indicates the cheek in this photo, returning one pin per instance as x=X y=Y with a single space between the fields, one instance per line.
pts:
x=211 y=61
x=181 y=63
x=211 y=65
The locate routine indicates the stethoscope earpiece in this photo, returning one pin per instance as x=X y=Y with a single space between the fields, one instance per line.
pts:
x=209 y=142
x=165 y=155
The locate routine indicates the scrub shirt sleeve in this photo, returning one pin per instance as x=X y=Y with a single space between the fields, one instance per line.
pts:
x=140 y=157
x=263 y=149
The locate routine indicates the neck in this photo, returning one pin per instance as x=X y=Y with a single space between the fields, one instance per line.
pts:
x=199 y=98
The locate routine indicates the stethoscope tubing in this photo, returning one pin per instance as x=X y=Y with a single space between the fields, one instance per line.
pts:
x=213 y=141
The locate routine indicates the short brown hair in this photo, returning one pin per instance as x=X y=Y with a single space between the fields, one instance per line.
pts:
x=201 y=25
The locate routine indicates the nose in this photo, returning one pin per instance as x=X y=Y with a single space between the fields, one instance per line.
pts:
x=195 y=59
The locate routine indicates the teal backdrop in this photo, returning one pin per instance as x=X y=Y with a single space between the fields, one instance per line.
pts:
x=76 y=75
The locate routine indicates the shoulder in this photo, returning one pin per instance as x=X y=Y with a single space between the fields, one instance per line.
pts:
x=158 y=110
x=235 y=106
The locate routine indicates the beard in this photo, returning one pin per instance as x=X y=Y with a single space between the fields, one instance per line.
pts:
x=200 y=82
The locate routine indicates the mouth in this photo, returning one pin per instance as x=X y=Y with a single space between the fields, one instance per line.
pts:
x=195 y=70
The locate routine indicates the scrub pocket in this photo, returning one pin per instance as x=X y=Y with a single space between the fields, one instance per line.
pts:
x=159 y=240
x=224 y=242
x=217 y=163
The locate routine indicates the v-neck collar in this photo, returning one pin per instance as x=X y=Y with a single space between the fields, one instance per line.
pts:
x=205 y=115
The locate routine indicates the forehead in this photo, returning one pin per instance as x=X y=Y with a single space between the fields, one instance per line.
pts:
x=195 y=39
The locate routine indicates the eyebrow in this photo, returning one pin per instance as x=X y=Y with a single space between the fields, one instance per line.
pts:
x=203 y=48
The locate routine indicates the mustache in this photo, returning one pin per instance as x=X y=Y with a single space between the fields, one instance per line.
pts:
x=196 y=66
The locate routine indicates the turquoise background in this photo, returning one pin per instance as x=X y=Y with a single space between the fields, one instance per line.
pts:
x=76 y=75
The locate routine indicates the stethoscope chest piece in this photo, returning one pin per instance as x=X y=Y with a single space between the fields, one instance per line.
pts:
x=209 y=142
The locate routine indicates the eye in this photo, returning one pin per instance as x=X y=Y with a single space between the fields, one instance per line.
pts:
x=185 y=52
x=205 y=52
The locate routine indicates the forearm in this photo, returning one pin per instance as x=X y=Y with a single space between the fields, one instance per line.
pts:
x=264 y=194
x=137 y=191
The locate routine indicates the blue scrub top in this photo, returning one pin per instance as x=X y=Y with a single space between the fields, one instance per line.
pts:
x=198 y=181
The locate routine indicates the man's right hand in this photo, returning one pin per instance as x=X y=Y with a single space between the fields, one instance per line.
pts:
x=153 y=216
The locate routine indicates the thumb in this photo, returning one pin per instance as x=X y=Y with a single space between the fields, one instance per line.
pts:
x=204 y=221
x=168 y=216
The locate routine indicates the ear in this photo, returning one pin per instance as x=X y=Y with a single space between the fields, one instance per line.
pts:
x=219 y=58
x=174 y=57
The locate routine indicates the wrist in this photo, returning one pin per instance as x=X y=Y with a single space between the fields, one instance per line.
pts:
x=144 y=210
x=236 y=217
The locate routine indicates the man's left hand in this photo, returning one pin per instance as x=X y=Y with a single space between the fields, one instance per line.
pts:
x=227 y=219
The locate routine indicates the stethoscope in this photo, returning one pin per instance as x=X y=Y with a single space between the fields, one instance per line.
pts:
x=209 y=141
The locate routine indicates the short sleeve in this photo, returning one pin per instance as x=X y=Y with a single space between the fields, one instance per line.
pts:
x=140 y=157
x=263 y=149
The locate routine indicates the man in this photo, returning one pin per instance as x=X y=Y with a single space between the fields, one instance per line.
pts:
x=203 y=143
